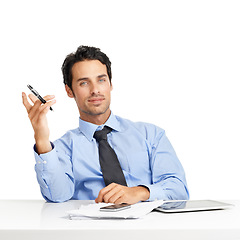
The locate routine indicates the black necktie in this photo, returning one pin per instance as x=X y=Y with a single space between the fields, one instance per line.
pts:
x=111 y=169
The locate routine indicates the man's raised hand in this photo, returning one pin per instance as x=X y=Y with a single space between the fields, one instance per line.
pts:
x=37 y=115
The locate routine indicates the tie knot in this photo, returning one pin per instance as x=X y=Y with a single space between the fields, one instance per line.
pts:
x=102 y=134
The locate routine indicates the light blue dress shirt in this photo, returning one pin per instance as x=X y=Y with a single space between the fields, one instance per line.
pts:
x=72 y=170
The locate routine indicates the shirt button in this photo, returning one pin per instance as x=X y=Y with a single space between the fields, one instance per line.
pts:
x=44 y=162
x=39 y=162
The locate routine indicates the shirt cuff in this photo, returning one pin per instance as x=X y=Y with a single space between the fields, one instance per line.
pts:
x=46 y=160
x=156 y=192
x=35 y=148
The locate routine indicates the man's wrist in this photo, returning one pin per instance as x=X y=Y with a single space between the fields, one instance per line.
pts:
x=43 y=147
x=145 y=192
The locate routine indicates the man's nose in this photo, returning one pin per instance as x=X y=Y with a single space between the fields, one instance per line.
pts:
x=94 y=89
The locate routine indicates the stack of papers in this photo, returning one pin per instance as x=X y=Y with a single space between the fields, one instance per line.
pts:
x=137 y=210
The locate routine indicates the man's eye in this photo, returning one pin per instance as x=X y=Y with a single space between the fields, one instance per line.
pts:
x=83 y=83
x=102 y=80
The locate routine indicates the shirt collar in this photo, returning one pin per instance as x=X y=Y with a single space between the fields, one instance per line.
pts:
x=88 y=129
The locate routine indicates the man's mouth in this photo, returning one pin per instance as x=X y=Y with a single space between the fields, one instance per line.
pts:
x=96 y=100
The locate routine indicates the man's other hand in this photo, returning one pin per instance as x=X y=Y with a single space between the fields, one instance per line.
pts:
x=115 y=193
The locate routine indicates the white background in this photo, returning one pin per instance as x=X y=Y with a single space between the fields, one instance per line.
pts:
x=175 y=64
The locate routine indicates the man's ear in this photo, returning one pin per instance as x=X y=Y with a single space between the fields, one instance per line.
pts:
x=69 y=91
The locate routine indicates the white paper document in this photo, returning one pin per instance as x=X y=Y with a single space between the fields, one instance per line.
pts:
x=93 y=211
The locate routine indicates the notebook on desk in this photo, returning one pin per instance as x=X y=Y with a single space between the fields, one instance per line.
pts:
x=191 y=206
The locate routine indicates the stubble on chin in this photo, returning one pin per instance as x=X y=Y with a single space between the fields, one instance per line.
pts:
x=96 y=111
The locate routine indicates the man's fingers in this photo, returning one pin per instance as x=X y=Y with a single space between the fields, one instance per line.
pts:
x=39 y=111
x=111 y=196
x=116 y=197
x=103 y=192
x=47 y=105
x=110 y=193
x=27 y=105
x=33 y=98
x=38 y=105
x=49 y=97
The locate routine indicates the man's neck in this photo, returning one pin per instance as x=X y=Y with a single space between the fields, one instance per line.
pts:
x=96 y=119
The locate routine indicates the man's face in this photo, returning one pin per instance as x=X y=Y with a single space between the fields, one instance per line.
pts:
x=91 y=88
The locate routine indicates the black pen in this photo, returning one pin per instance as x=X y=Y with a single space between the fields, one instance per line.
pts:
x=37 y=95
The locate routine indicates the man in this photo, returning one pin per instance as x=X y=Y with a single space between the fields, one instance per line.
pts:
x=71 y=167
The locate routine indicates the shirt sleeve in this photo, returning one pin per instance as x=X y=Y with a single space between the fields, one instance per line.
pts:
x=168 y=177
x=54 y=175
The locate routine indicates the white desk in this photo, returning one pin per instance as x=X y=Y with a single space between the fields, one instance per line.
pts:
x=25 y=219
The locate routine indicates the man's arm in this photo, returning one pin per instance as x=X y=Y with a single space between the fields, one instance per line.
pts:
x=54 y=174
x=168 y=176
x=55 y=179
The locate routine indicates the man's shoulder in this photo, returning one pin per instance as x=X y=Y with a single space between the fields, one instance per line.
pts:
x=72 y=132
x=144 y=128
x=68 y=136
